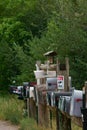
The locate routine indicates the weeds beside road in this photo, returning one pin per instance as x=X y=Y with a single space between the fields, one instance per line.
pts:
x=11 y=109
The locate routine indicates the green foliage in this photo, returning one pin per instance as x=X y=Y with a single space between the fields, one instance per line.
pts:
x=13 y=31
x=30 y=28
x=7 y=65
x=25 y=64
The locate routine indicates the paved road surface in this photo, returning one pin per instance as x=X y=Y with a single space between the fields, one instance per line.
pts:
x=4 y=125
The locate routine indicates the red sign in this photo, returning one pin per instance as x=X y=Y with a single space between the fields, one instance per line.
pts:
x=60 y=82
x=60 y=77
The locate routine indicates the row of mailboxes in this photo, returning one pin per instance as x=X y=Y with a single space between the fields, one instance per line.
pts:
x=69 y=102
x=53 y=98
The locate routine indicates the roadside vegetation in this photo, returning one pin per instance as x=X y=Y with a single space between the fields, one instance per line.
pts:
x=11 y=109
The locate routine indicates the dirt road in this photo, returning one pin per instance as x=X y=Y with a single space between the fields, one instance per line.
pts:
x=4 y=125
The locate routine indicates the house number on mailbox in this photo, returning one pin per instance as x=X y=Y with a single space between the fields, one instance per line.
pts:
x=60 y=82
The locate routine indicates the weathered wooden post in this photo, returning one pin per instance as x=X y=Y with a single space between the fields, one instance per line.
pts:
x=63 y=85
x=51 y=66
x=84 y=109
x=63 y=70
x=43 y=111
x=41 y=104
x=86 y=93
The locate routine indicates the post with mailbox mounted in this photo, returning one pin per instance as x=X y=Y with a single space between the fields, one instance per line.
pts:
x=84 y=109
x=44 y=71
x=63 y=72
x=63 y=85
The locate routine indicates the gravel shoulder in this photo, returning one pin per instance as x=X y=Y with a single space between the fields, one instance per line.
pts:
x=5 y=125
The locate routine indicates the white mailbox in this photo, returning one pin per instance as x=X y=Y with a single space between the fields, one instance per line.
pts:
x=76 y=103
x=31 y=92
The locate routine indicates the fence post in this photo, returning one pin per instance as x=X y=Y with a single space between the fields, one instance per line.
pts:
x=86 y=92
x=57 y=118
x=63 y=69
x=84 y=109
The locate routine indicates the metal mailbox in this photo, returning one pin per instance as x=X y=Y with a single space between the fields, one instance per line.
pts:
x=64 y=103
x=31 y=92
x=63 y=98
x=67 y=104
x=52 y=100
x=51 y=83
x=58 y=99
x=61 y=104
x=76 y=103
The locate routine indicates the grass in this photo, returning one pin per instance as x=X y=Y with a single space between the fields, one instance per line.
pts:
x=75 y=127
x=30 y=124
x=12 y=109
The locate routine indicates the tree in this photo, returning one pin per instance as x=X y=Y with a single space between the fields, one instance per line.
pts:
x=66 y=34
x=9 y=66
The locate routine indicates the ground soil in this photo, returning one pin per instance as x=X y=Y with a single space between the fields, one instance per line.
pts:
x=5 y=125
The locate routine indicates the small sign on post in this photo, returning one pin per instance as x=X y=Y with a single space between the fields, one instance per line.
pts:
x=60 y=82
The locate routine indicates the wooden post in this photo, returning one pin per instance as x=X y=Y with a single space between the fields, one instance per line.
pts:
x=28 y=109
x=63 y=69
x=57 y=118
x=67 y=74
x=84 y=109
x=86 y=94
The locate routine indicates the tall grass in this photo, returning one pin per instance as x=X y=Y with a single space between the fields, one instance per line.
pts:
x=10 y=108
